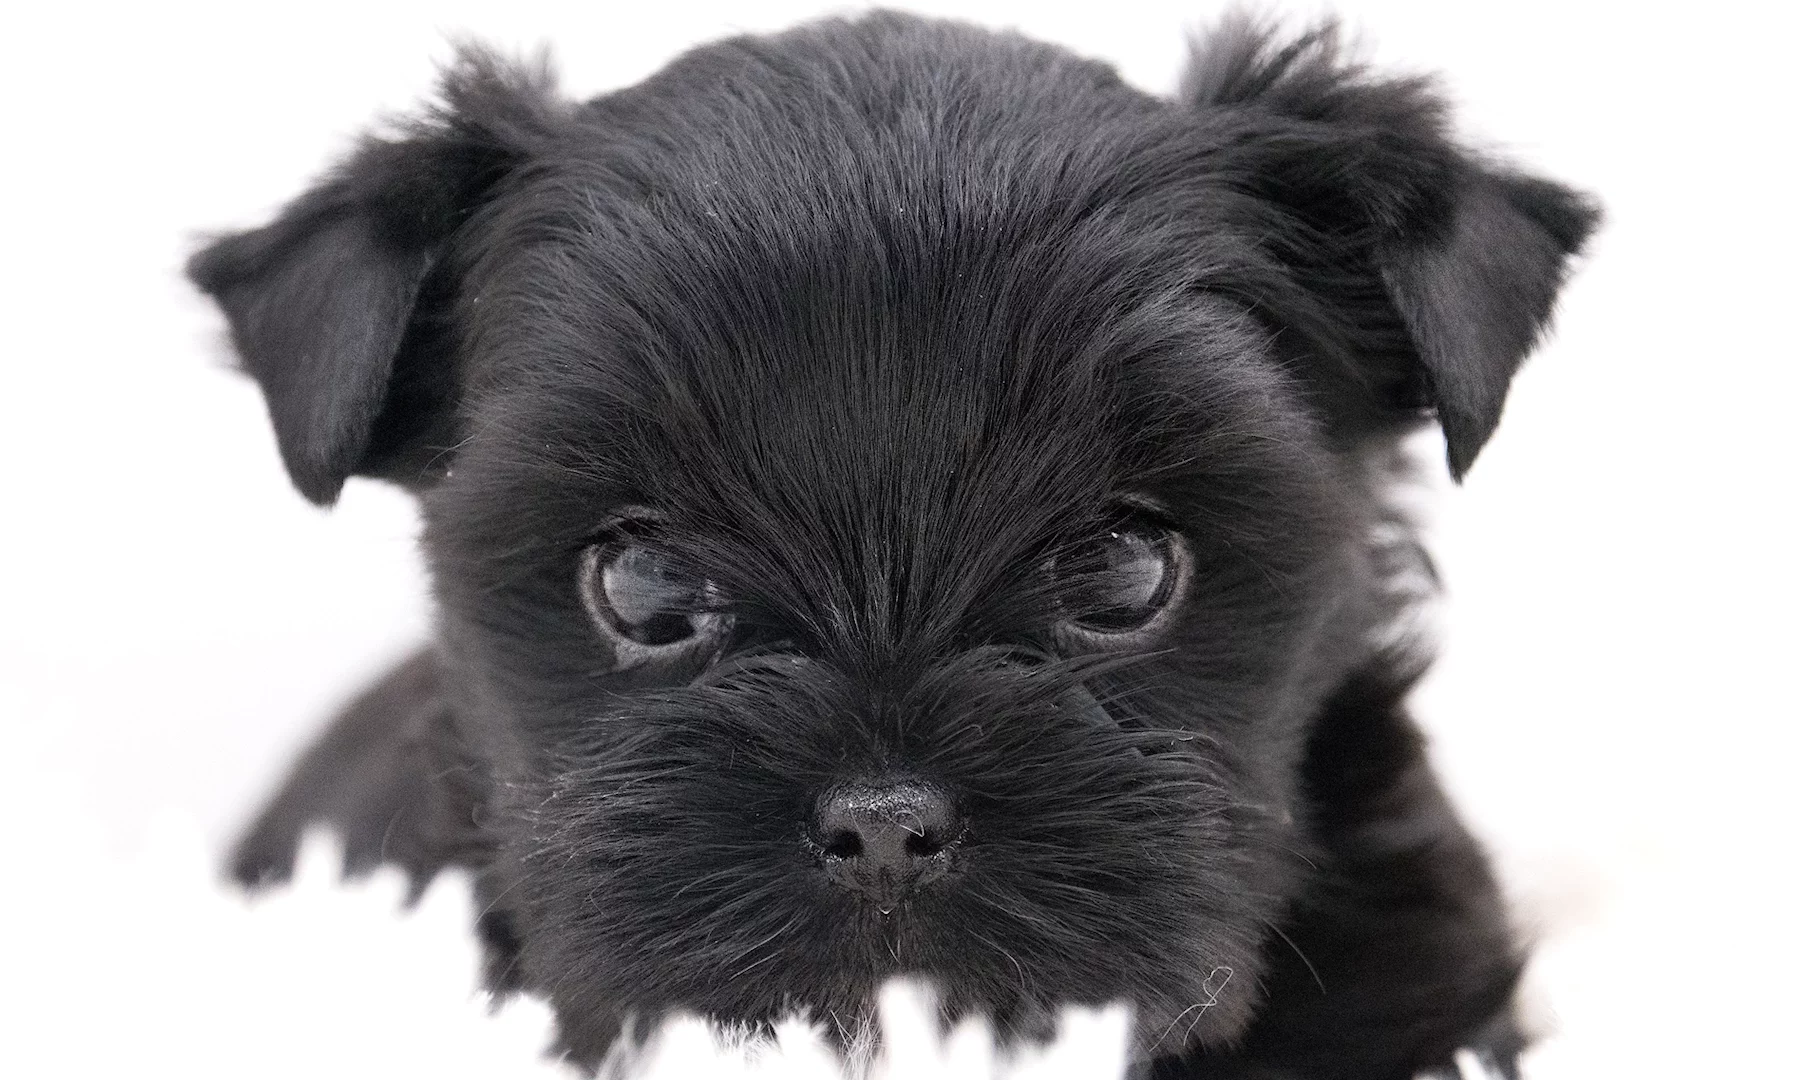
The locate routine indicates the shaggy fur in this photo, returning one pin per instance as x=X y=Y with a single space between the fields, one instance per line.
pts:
x=883 y=319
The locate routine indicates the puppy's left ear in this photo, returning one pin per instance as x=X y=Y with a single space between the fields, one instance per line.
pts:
x=1384 y=216
x=340 y=307
x=1477 y=292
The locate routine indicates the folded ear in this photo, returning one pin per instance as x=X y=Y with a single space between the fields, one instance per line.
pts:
x=339 y=307
x=1477 y=295
x=1467 y=256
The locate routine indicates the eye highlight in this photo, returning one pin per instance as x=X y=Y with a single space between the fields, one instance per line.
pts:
x=1118 y=585
x=644 y=602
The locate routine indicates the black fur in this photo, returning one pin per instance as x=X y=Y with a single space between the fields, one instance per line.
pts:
x=880 y=316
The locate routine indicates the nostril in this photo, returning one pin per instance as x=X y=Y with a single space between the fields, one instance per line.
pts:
x=926 y=844
x=843 y=845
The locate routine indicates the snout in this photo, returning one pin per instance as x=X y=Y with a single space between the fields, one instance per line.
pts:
x=884 y=839
x=783 y=835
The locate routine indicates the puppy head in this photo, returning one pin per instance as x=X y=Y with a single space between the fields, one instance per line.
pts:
x=897 y=496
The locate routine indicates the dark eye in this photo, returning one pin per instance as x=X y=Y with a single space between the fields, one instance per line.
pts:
x=643 y=600
x=1120 y=582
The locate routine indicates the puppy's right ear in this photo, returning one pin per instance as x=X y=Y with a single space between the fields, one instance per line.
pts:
x=339 y=307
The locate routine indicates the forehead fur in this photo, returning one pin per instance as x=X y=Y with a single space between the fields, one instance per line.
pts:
x=856 y=281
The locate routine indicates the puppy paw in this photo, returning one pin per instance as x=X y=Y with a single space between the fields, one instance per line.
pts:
x=383 y=778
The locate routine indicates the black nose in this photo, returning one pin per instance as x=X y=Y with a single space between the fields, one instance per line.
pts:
x=884 y=840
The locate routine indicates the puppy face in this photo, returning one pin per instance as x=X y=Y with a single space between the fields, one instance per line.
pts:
x=815 y=539
x=898 y=499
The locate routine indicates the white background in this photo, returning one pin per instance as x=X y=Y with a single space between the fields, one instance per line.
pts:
x=1613 y=708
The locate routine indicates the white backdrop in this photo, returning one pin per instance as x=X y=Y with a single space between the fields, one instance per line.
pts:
x=1613 y=707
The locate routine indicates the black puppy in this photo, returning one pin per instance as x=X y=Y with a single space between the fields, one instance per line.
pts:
x=902 y=501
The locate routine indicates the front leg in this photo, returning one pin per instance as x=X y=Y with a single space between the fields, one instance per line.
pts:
x=391 y=779
x=1397 y=955
x=386 y=778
